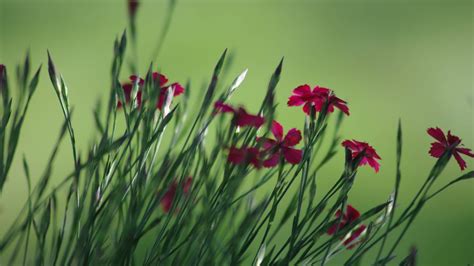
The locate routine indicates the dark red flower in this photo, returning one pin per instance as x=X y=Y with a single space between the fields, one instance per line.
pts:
x=446 y=142
x=127 y=90
x=168 y=198
x=160 y=81
x=247 y=155
x=132 y=7
x=370 y=155
x=178 y=89
x=241 y=117
x=346 y=220
x=281 y=147
x=316 y=98
x=348 y=217
x=355 y=237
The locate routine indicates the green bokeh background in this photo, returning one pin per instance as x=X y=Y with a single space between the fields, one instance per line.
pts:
x=389 y=59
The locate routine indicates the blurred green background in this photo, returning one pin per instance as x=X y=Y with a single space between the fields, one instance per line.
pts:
x=389 y=59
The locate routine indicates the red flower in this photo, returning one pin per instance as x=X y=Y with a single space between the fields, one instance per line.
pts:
x=282 y=146
x=303 y=95
x=127 y=90
x=355 y=237
x=161 y=81
x=445 y=143
x=168 y=198
x=132 y=7
x=247 y=155
x=241 y=117
x=346 y=220
x=348 y=217
x=370 y=155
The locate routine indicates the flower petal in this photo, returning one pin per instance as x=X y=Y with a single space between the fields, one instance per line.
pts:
x=341 y=105
x=277 y=130
x=374 y=164
x=307 y=108
x=178 y=89
x=273 y=160
x=293 y=156
x=437 y=149
x=465 y=151
x=292 y=138
x=245 y=119
x=355 y=237
x=295 y=100
x=437 y=133
x=236 y=155
x=460 y=160
x=351 y=213
x=162 y=79
x=302 y=90
x=221 y=107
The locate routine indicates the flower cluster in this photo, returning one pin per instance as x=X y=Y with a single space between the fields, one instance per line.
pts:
x=160 y=82
x=270 y=152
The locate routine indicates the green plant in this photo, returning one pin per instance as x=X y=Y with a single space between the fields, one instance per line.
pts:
x=133 y=200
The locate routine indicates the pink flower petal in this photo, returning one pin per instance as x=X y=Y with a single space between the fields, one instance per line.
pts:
x=277 y=130
x=267 y=143
x=351 y=213
x=161 y=78
x=168 y=198
x=302 y=90
x=465 y=151
x=462 y=164
x=341 y=105
x=292 y=138
x=272 y=161
x=307 y=108
x=295 y=100
x=245 y=119
x=374 y=164
x=178 y=89
x=354 y=240
x=438 y=134
x=452 y=140
x=321 y=91
x=221 y=107
x=437 y=149
x=236 y=155
x=293 y=156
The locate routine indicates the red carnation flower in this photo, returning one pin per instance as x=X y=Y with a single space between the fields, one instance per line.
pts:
x=446 y=142
x=160 y=80
x=370 y=155
x=346 y=220
x=316 y=98
x=241 y=117
x=168 y=198
x=355 y=237
x=282 y=146
x=348 y=217
x=247 y=155
x=127 y=90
